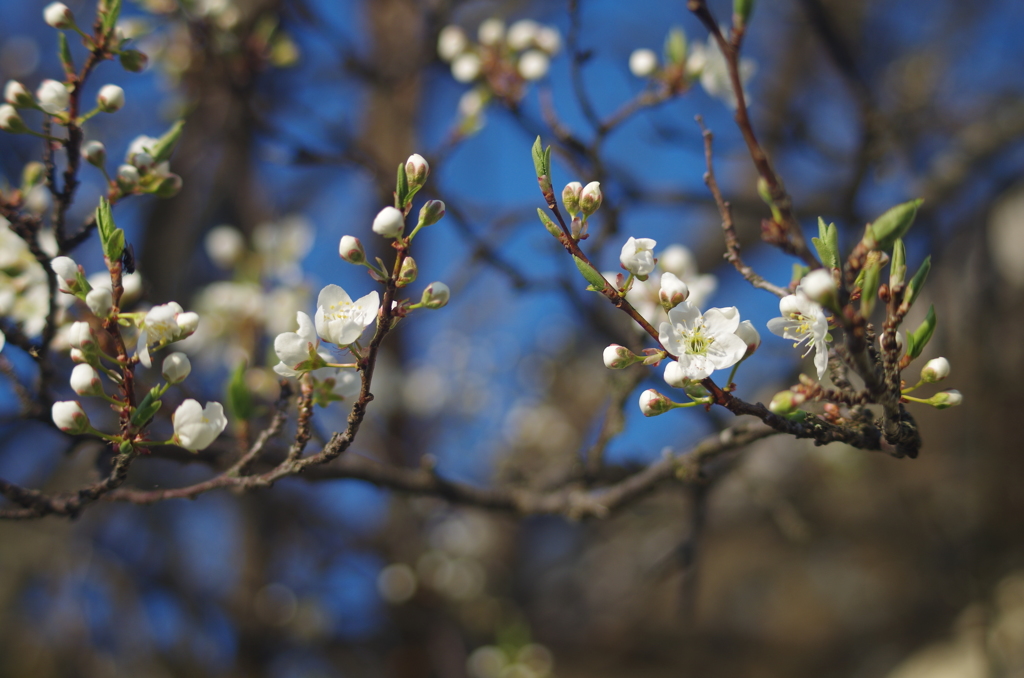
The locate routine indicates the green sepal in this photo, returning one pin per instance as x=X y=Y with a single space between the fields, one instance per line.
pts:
x=919 y=338
x=111 y=237
x=111 y=15
x=64 y=52
x=402 y=187
x=542 y=165
x=869 y=288
x=237 y=396
x=591 y=274
x=149 y=406
x=893 y=224
x=323 y=392
x=917 y=282
x=164 y=146
x=827 y=243
x=551 y=226
x=675 y=46
x=741 y=11
x=898 y=264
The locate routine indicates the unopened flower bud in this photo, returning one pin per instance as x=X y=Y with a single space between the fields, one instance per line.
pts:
x=548 y=39
x=69 y=417
x=81 y=336
x=935 y=370
x=133 y=60
x=168 y=187
x=408 y=272
x=389 y=222
x=10 y=121
x=95 y=153
x=176 y=367
x=100 y=301
x=533 y=65
x=127 y=177
x=819 y=286
x=577 y=228
x=17 y=95
x=675 y=375
x=58 y=15
x=85 y=381
x=944 y=399
x=571 y=197
x=786 y=402
x=673 y=291
x=78 y=356
x=436 y=295
x=67 y=274
x=653 y=403
x=416 y=170
x=522 y=33
x=351 y=250
x=431 y=212
x=617 y=357
x=53 y=96
x=32 y=175
x=590 y=198
x=491 y=32
x=188 y=323
x=750 y=337
x=643 y=63
x=110 y=98
x=451 y=42
x=466 y=67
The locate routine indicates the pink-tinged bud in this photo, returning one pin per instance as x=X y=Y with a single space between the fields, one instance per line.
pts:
x=653 y=403
x=935 y=370
x=436 y=295
x=67 y=274
x=78 y=357
x=351 y=250
x=69 y=417
x=110 y=99
x=389 y=222
x=176 y=367
x=951 y=398
x=133 y=60
x=95 y=153
x=407 y=275
x=617 y=357
x=187 y=322
x=58 y=15
x=571 y=197
x=85 y=381
x=17 y=95
x=431 y=212
x=673 y=291
x=750 y=337
x=53 y=96
x=591 y=198
x=10 y=121
x=81 y=336
x=416 y=170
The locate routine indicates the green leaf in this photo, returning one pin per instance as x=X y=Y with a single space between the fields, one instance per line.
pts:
x=65 y=53
x=675 y=46
x=799 y=271
x=164 y=146
x=111 y=15
x=827 y=244
x=590 y=273
x=741 y=10
x=402 y=187
x=539 y=159
x=894 y=223
x=551 y=226
x=149 y=406
x=238 y=398
x=111 y=237
x=898 y=265
x=869 y=290
x=917 y=282
x=919 y=338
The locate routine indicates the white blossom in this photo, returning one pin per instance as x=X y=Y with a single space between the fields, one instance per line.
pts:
x=110 y=98
x=637 y=256
x=803 y=321
x=472 y=103
x=67 y=273
x=339 y=320
x=81 y=336
x=643 y=63
x=533 y=64
x=708 y=63
x=53 y=96
x=819 y=286
x=296 y=350
x=548 y=39
x=57 y=15
x=673 y=290
x=750 y=336
x=522 y=33
x=195 y=427
x=85 y=381
x=389 y=222
x=451 y=42
x=100 y=301
x=160 y=326
x=225 y=245
x=935 y=370
x=491 y=32
x=703 y=342
x=95 y=153
x=680 y=262
x=466 y=67
x=10 y=121
x=176 y=367
x=16 y=94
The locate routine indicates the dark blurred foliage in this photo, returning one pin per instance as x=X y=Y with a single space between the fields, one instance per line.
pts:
x=793 y=561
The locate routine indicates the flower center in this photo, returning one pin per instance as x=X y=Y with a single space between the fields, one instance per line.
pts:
x=802 y=326
x=339 y=311
x=697 y=340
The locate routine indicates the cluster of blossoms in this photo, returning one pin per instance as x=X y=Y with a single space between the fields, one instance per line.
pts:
x=341 y=321
x=683 y=65
x=500 y=62
x=24 y=293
